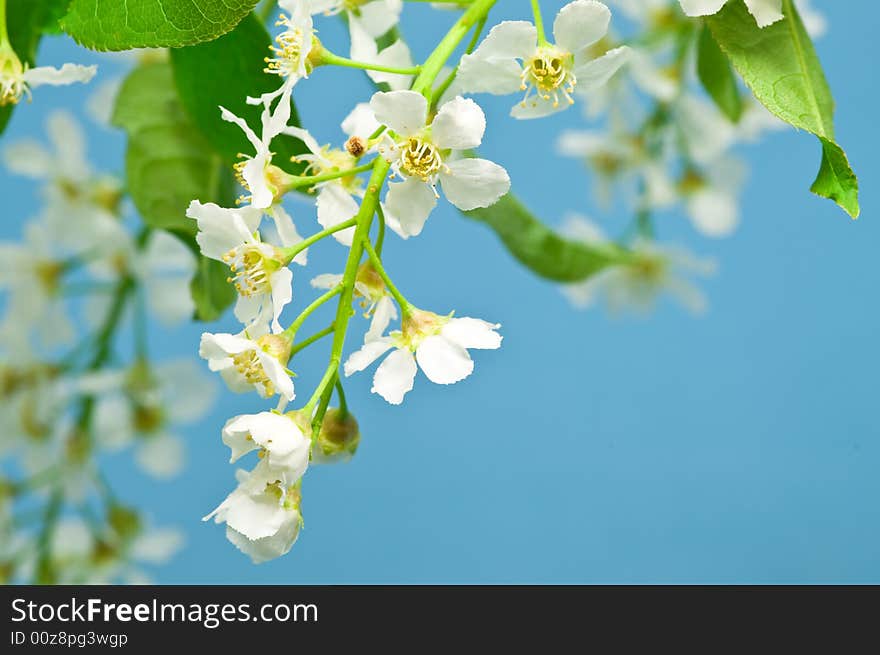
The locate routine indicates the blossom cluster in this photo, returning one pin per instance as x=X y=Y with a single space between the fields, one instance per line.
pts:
x=67 y=397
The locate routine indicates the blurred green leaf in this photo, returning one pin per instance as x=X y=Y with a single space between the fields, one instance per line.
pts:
x=539 y=248
x=126 y=24
x=780 y=66
x=223 y=73
x=717 y=76
x=168 y=164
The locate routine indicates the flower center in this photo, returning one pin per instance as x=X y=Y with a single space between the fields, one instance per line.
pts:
x=49 y=274
x=12 y=85
x=289 y=54
x=249 y=366
x=420 y=159
x=548 y=73
x=251 y=270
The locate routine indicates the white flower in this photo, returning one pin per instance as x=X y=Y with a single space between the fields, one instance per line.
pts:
x=279 y=439
x=32 y=273
x=636 y=283
x=766 y=12
x=295 y=43
x=438 y=343
x=17 y=79
x=424 y=154
x=256 y=173
x=259 y=269
x=377 y=302
x=247 y=363
x=262 y=515
x=81 y=209
x=510 y=58
x=712 y=196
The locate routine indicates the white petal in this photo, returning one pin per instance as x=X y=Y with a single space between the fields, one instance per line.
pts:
x=28 y=158
x=267 y=548
x=326 y=280
x=495 y=76
x=397 y=55
x=69 y=142
x=537 y=107
x=277 y=373
x=596 y=73
x=369 y=353
x=515 y=39
x=360 y=121
x=236 y=435
x=580 y=24
x=282 y=293
x=248 y=132
x=383 y=313
x=379 y=17
x=157 y=546
x=766 y=12
x=472 y=333
x=67 y=74
x=161 y=456
x=221 y=229
x=471 y=183
x=287 y=232
x=405 y=112
x=411 y=202
x=303 y=135
x=336 y=205
x=395 y=376
x=701 y=7
x=714 y=212
x=222 y=345
x=459 y=125
x=254 y=517
x=443 y=361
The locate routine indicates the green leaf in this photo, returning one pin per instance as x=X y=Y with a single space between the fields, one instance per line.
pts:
x=211 y=292
x=223 y=73
x=126 y=24
x=169 y=164
x=541 y=249
x=717 y=76
x=780 y=66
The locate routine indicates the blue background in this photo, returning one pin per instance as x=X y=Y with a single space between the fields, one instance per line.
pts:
x=737 y=447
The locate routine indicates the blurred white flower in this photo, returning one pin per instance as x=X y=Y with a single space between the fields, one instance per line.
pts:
x=635 y=284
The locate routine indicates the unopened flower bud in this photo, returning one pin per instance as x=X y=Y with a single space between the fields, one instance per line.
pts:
x=338 y=440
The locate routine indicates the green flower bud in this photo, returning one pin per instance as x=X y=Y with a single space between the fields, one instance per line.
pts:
x=338 y=439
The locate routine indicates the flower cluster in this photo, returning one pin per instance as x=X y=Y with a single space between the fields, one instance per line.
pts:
x=68 y=395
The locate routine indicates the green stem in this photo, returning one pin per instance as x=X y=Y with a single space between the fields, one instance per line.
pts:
x=302 y=345
x=440 y=90
x=4 y=35
x=380 y=239
x=539 y=22
x=291 y=252
x=437 y=59
x=343 y=403
x=292 y=182
x=327 y=58
x=405 y=305
x=297 y=323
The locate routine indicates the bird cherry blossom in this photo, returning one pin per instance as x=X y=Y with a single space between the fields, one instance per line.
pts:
x=512 y=58
x=250 y=362
x=424 y=154
x=17 y=78
x=438 y=343
x=259 y=269
x=375 y=298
